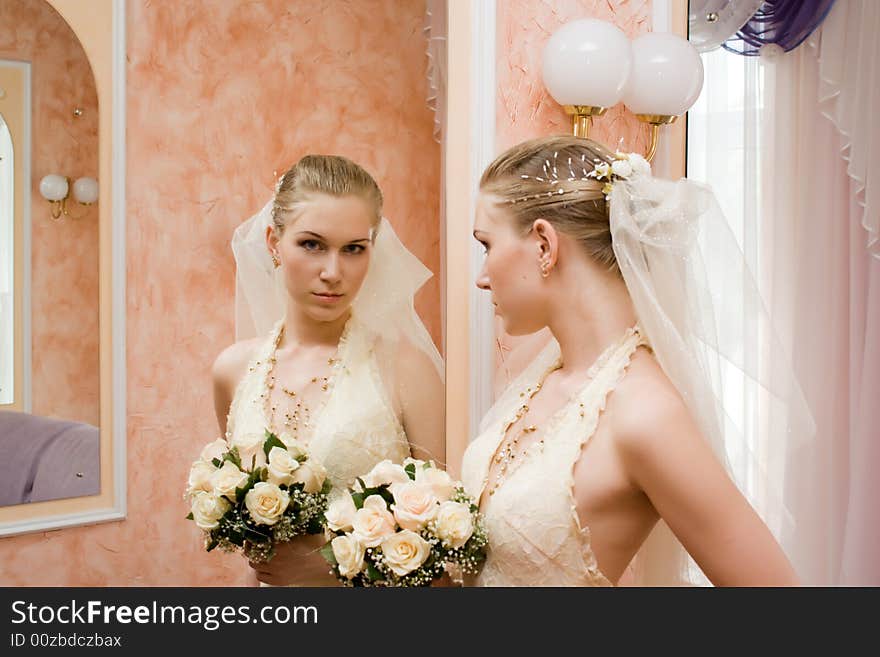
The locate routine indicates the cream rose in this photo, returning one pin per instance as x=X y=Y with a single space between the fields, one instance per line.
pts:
x=439 y=481
x=296 y=448
x=214 y=450
x=340 y=513
x=419 y=463
x=386 y=472
x=405 y=551
x=281 y=466
x=207 y=509
x=414 y=505
x=226 y=479
x=312 y=475
x=454 y=524
x=250 y=445
x=373 y=522
x=200 y=477
x=349 y=555
x=266 y=503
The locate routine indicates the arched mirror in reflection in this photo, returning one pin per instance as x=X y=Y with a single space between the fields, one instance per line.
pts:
x=49 y=339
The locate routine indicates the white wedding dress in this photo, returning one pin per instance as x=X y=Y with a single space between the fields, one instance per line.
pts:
x=354 y=429
x=535 y=536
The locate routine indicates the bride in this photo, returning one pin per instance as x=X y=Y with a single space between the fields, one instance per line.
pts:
x=341 y=362
x=610 y=438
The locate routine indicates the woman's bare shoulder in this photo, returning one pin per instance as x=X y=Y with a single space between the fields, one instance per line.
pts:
x=646 y=412
x=232 y=363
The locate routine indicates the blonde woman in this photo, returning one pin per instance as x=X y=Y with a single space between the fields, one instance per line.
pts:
x=609 y=444
x=341 y=363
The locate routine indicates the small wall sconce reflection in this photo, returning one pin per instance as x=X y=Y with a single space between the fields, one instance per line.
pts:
x=56 y=189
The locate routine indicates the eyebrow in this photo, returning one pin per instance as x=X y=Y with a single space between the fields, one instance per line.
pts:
x=321 y=237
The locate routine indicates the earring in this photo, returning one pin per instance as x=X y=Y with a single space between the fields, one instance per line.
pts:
x=545 y=269
x=275 y=261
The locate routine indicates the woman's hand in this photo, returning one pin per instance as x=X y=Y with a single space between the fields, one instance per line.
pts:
x=297 y=563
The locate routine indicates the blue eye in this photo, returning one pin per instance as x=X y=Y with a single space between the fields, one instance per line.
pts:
x=310 y=245
x=355 y=248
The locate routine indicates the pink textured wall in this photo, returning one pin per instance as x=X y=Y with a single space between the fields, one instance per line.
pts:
x=220 y=97
x=525 y=110
x=64 y=254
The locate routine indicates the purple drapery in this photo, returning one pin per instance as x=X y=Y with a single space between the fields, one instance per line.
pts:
x=785 y=23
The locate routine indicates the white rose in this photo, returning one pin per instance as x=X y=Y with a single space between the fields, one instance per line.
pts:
x=296 y=448
x=281 y=466
x=312 y=475
x=340 y=513
x=414 y=505
x=207 y=509
x=438 y=480
x=621 y=168
x=266 y=503
x=214 y=450
x=639 y=164
x=405 y=551
x=250 y=445
x=386 y=472
x=419 y=463
x=603 y=170
x=349 y=554
x=200 y=477
x=373 y=522
x=454 y=524
x=226 y=479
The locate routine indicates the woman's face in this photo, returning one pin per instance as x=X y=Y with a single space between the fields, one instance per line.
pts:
x=324 y=253
x=511 y=271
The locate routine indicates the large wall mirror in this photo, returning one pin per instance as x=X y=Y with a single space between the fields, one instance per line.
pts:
x=62 y=421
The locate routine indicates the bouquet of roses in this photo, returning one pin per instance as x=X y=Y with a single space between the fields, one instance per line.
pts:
x=402 y=525
x=256 y=492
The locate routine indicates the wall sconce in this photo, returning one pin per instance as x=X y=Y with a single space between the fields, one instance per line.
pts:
x=56 y=189
x=586 y=65
x=590 y=65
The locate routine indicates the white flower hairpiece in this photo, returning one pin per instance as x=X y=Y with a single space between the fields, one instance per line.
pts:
x=624 y=167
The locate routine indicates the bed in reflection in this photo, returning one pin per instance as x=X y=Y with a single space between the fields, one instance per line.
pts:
x=46 y=458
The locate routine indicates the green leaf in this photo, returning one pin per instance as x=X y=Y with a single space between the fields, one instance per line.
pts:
x=217 y=462
x=327 y=487
x=233 y=455
x=373 y=573
x=272 y=441
x=411 y=470
x=358 y=500
x=211 y=544
x=189 y=516
x=327 y=553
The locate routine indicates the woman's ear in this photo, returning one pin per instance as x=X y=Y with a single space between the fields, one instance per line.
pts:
x=272 y=244
x=546 y=244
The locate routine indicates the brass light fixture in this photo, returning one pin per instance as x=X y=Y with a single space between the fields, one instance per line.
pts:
x=56 y=189
x=590 y=65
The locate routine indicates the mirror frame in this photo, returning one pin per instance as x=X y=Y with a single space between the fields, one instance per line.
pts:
x=100 y=27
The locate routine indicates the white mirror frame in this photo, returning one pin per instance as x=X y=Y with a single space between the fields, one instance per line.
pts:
x=84 y=510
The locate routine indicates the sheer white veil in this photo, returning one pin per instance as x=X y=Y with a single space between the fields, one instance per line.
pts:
x=700 y=308
x=384 y=304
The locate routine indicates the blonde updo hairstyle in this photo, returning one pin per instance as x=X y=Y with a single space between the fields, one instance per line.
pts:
x=332 y=175
x=521 y=179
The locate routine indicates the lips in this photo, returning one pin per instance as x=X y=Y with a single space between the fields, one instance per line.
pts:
x=327 y=297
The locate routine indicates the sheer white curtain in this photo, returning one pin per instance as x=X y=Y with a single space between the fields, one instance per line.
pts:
x=826 y=293
x=7 y=251
x=791 y=160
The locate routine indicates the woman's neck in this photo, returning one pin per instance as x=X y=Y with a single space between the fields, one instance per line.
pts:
x=301 y=329
x=589 y=310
